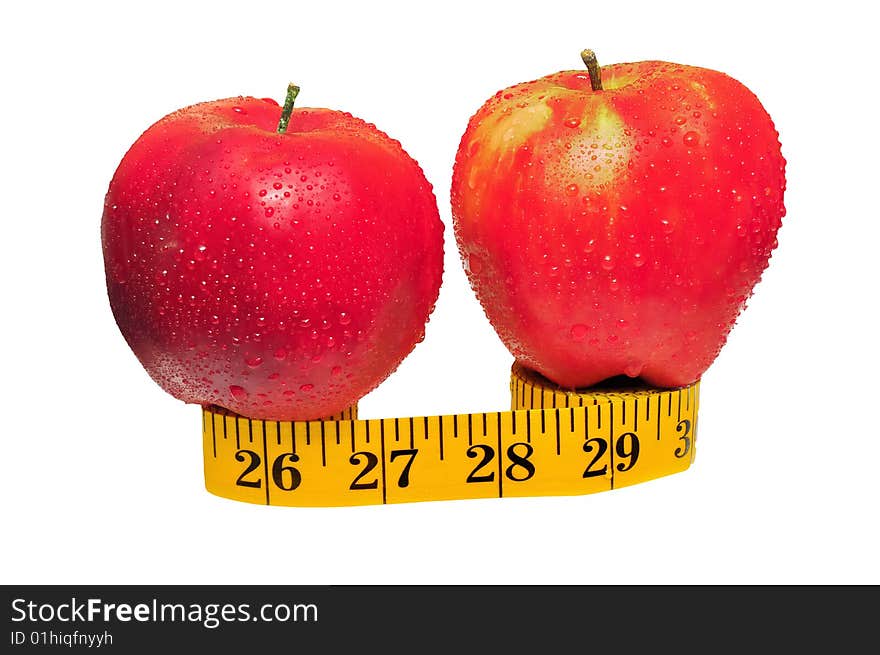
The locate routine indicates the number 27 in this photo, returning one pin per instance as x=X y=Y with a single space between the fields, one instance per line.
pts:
x=372 y=461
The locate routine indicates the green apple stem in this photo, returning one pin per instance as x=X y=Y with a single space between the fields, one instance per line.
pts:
x=593 y=69
x=292 y=92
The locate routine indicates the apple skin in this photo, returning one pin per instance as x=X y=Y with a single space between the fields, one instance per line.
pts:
x=618 y=231
x=280 y=276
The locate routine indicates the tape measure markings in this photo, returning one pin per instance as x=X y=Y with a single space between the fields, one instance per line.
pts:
x=205 y=430
x=524 y=451
x=382 y=448
x=265 y=457
x=610 y=440
x=648 y=414
x=498 y=457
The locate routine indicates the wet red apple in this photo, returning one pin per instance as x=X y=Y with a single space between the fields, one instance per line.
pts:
x=615 y=221
x=277 y=263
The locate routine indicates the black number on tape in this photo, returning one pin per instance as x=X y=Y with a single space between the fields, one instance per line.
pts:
x=488 y=456
x=286 y=483
x=601 y=445
x=520 y=469
x=294 y=477
x=403 y=480
x=627 y=447
x=372 y=462
x=520 y=462
x=683 y=427
x=252 y=466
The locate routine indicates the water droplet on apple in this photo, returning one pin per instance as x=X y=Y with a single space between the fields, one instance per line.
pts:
x=254 y=362
x=344 y=318
x=307 y=387
x=475 y=264
x=269 y=211
x=607 y=262
x=336 y=370
x=633 y=369
x=277 y=186
x=691 y=139
x=578 y=332
x=239 y=110
x=638 y=260
x=680 y=120
x=572 y=122
x=666 y=141
x=262 y=192
x=238 y=392
x=571 y=189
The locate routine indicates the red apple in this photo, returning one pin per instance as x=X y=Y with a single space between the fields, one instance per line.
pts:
x=278 y=264
x=617 y=225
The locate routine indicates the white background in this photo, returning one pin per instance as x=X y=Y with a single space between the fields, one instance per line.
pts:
x=101 y=476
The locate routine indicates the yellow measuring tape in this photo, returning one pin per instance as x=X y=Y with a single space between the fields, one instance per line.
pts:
x=553 y=442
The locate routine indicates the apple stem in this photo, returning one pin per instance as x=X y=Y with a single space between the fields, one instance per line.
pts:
x=292 y=92
x=593 y=69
